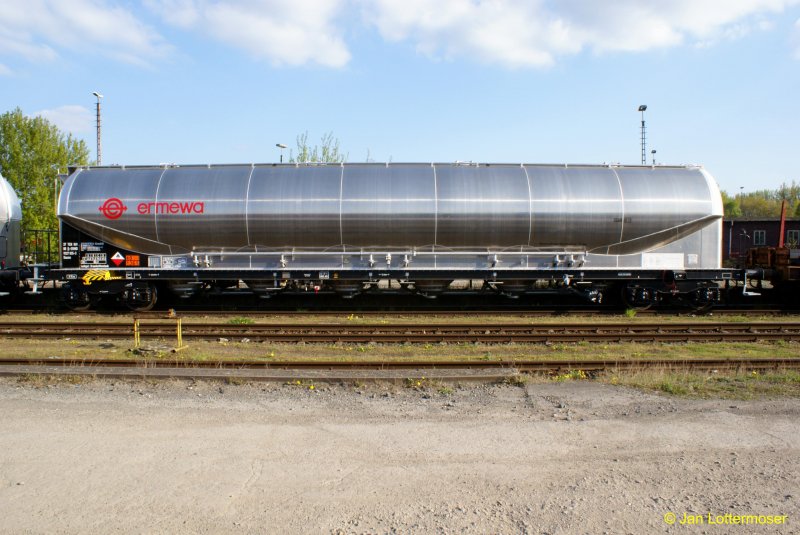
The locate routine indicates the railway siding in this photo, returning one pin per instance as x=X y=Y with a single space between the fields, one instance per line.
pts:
x=350 y=371
x=424 y=334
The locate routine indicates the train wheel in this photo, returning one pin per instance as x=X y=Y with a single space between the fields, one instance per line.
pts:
x=638 y=297
x=702 y=299
x=140 y=299
x=76 y=299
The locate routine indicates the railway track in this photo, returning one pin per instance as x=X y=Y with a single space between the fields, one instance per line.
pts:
x=520 y=365
x=426 y=312
x=415 y=333
x=416 y=371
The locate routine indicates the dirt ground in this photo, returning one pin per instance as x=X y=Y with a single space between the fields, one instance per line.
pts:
x=573 y=457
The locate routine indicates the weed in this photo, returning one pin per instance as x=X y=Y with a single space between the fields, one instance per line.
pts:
x=235 y=381
x=517 y=379
x=415 y=383
x=33 y=379
x=445 y=390
x=737 y=319
x=301 y=384
x=241 y=321
x=673 y=388
x=572 y=375
x=630 y=313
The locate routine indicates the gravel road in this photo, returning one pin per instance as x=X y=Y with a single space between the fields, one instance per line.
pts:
x=575 y=457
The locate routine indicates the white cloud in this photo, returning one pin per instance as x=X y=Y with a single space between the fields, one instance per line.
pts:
x=71 y=118
x=283 y=32
x=5 y=71
x=181 y=13
x=515 y=33
x=512 y=33
x=37 y=29
x=534 y=33
x=796 y=39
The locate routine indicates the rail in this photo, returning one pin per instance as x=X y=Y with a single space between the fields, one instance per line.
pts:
x=522 y=365
x=415 y=333
x=414 y=371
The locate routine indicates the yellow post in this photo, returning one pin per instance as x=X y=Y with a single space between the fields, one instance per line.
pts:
x=179 y=330
x=136 y=337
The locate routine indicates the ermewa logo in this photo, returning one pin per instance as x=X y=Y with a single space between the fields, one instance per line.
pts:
x=113 y=208
x=187 y=207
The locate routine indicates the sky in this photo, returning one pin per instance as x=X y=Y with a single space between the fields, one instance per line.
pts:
x=501 y=81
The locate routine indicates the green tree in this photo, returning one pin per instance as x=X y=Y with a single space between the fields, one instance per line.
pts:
x=758 y=204
x=327 y=152
x=790 y=192
x=763 y=203
x=32 y=152
x=730 y=206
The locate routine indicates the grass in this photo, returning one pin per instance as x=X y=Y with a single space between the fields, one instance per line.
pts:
x=732 y=385
x=236 y=350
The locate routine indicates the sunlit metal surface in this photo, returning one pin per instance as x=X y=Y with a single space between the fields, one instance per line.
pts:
x=10 y=218
x=417 y=208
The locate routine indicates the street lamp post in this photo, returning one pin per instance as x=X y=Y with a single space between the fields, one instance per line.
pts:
x=99 y=145
x=281 y=146
x=642 y=109
x=744 y=235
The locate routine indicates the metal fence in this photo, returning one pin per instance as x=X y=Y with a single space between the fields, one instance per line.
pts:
x=40 y=246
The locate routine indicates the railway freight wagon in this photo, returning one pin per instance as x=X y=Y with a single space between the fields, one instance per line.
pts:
x=10 y=220
x=646 y=234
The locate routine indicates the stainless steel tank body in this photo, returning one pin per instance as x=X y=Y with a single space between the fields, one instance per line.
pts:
x=10 y=221
x=613 y=210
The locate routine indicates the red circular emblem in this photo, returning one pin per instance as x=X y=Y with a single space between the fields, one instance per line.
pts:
x=113 y=208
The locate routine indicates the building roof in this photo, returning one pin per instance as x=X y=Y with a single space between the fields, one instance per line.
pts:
x=761 y=220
